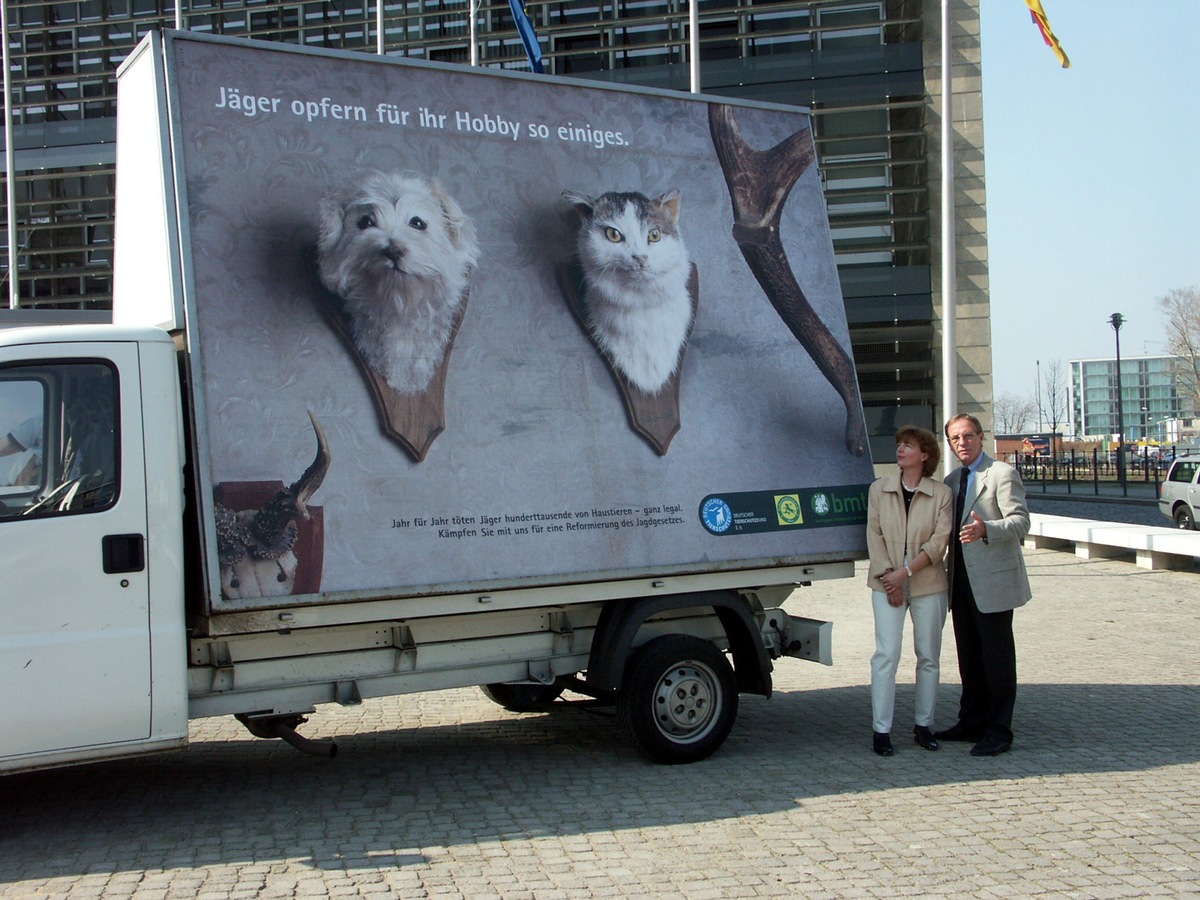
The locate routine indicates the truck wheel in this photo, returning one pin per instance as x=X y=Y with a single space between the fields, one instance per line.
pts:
x=523 y=697
x=1184 y=518
x=679 y=699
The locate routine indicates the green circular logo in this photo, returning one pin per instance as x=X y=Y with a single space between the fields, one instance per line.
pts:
x=787 y=508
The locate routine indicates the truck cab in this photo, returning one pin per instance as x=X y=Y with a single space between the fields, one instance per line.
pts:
x=92 y=645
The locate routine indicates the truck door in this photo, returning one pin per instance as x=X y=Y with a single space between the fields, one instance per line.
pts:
x=74 y=601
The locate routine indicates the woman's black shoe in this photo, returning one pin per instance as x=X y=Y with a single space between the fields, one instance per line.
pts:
x=883 y=744
x=924 y=737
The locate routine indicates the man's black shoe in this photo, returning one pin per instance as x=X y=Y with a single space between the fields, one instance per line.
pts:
x=924 y=737
x=991 y=745
x=959 y=732
x=883 y=744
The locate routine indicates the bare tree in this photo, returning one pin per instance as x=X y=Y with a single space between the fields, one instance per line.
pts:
x=1181 y=307
x=1054 y=403
x=1054 y=395
x=1012 y=413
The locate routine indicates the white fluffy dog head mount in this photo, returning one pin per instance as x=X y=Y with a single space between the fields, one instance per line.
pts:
x=398 y=252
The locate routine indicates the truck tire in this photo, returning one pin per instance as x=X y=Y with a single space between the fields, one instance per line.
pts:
x=523 y=697
x=679 y=699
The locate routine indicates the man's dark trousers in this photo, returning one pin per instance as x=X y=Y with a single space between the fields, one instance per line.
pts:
x=987 y=659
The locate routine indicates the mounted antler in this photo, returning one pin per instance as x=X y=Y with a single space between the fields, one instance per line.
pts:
x=254 y=547
x=759 y=182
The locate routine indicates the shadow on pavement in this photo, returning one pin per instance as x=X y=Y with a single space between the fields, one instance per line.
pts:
x=390 y=794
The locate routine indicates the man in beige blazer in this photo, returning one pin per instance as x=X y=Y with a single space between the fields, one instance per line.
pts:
x=987 y=582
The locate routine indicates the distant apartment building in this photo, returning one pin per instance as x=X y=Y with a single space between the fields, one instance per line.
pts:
x=1150 y=403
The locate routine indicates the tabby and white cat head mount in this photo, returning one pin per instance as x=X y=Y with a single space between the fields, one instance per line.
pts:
x=636 y=293
x=399 y=252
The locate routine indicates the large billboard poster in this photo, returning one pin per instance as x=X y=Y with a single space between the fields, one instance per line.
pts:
x=492 y=329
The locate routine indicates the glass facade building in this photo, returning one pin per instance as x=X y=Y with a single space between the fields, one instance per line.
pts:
x=1150 y=402
x=870 y=72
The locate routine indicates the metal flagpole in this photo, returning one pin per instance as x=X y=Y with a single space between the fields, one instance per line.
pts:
x=10 y=169
x=474 y=52
x=379 y=27
x=949 y=312
x=694 y=45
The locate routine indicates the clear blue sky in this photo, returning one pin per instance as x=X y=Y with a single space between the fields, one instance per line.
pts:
x=1093 y=177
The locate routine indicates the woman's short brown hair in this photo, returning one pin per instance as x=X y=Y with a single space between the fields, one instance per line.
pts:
x=926 y=441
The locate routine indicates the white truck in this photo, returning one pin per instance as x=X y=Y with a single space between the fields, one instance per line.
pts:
x=420 y=377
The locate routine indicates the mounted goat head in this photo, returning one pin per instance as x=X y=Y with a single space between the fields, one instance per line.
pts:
x=255 y=546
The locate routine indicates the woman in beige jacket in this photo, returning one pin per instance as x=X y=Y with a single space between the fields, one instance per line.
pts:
x=908 y=528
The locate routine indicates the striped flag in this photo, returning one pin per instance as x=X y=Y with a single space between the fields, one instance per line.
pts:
x=528 y=36
x=1039 y=18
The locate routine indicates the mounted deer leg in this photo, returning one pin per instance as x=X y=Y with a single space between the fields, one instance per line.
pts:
x=759 y=182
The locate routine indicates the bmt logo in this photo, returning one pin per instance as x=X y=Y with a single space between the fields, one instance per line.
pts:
x=824 y=504
x=848 y=505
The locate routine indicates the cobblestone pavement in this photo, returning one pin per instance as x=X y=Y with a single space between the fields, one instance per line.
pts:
x=446 y=795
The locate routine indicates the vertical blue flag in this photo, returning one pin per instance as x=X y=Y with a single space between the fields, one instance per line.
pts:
x=528 y=37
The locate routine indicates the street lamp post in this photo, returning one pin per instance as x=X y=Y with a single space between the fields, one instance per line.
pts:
x=1116 y=320
x=1144 y=440
x=1038 y=386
